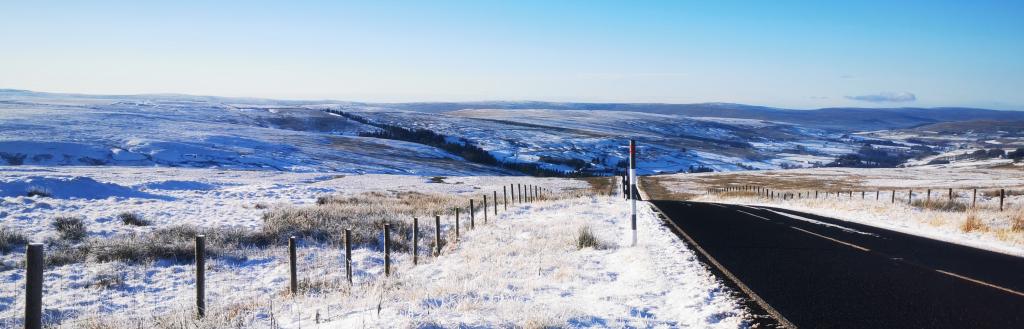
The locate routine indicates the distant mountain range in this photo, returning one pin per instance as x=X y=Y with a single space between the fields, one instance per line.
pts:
x=846 y=119
x=839 y=118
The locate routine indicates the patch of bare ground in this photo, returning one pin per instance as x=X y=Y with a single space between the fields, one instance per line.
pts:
x=601 y=185
x=656 y=188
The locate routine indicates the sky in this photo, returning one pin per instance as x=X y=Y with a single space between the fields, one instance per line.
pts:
x=792 y=54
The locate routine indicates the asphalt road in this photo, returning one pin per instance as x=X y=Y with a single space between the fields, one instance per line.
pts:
x=836 y=274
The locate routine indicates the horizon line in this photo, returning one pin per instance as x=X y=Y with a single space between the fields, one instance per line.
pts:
x=330 y=100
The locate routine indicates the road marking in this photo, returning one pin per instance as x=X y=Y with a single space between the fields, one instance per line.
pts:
x=825 y=237
x=818 y=222
x=958 y=276
x=754 y=215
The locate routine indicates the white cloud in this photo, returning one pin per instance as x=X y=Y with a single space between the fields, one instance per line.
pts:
x=883 y=97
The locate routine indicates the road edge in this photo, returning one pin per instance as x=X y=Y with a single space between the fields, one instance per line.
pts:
x=714 y=262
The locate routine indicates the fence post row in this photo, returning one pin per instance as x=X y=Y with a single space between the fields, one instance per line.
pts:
x=200 y=250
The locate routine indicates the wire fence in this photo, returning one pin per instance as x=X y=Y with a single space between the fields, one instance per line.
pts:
x=251 y=296
x=945 y=198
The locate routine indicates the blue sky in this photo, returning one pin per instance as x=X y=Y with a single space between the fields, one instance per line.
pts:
x=798 y=54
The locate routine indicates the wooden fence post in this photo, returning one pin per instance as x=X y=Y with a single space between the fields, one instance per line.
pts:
x=504 y=196
x=456 y=223
x=878 y=194
x=485 y=208
x=928 y=199
x=910 y=196
x=472 y=215
x=200 y=250
x=293 y=267
x=1002 y=195
x=950 y=195
x=348 y=255
x=387 y=249
x=974 y=201
x=415 y=240
x=437 y=235
x=495 y=204
x=34 y=263
x=894 y=196
x=862 y=194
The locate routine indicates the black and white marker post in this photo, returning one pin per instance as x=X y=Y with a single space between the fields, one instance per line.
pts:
x=632 y=184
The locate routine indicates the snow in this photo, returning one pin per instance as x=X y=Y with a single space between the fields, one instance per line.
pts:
x=520 y=268
x=525 y=269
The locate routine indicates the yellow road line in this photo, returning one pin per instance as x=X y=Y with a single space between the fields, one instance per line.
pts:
x=958 y=276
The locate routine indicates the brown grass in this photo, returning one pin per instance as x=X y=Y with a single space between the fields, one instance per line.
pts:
x=780 y=180
x=602 y=185
x=941 y=205
x=972 y=223
x=1017 y=221
x=585 y=238
x=655 y=186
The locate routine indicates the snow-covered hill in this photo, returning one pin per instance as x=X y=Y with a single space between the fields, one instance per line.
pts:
x=596 y=140
x=175 y=131
x=202 y=131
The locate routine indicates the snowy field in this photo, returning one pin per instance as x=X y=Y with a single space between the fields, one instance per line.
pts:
x=522 y=268
x=197 y=131
x=963 y=220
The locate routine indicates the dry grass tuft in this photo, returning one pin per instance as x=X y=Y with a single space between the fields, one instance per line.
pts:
x=10 y=239
x=1017 y=221
x=70 y=228
x=972 y=223
x=585 y=238
x=944 y=205
x=132 y=219
x=60 y=252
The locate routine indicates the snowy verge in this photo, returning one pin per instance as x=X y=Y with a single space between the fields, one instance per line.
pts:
x=524 y=269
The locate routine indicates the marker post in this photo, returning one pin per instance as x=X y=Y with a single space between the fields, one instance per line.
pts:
x=632 y=185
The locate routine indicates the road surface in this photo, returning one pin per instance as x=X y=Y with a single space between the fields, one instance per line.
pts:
x=818 y=272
